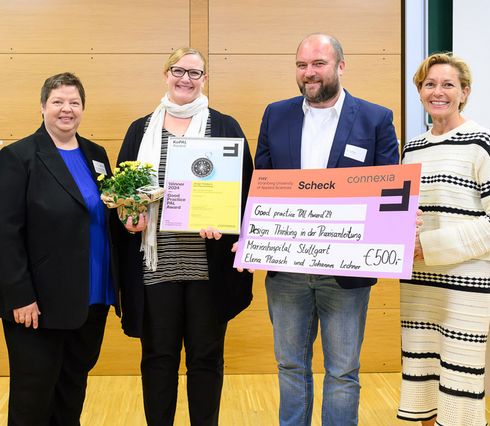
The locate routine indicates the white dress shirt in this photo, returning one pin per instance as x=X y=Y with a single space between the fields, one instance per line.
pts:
x=319 y=127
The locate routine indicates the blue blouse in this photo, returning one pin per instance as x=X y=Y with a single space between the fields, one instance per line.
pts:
x=101 y=290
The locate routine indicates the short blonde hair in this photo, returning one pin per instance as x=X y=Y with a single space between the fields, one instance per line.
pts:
x=461 y=66
x=179 y=54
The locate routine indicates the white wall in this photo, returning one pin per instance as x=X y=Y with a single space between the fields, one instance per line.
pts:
x=415 y=51
x=471 y=41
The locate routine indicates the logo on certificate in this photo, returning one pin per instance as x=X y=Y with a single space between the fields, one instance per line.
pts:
x=202 y=167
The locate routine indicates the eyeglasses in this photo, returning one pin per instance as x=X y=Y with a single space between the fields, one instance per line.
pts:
x=180 y=72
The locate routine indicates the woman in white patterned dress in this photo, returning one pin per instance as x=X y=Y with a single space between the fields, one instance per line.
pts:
x=445 y=306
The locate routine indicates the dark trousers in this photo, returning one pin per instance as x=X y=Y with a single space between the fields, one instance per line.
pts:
x=177 y=312
x=49 y=368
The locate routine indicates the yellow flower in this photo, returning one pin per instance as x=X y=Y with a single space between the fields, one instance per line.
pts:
x=101 y=177
x=126 y=178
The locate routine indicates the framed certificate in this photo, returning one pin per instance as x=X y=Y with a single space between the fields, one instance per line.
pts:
x=203 y=185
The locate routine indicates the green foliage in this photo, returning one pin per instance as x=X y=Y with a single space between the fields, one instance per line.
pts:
x=128 y=177
x=121 y=190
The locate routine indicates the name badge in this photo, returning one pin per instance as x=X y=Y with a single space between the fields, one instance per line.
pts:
x=355 y=152
x=99 y=167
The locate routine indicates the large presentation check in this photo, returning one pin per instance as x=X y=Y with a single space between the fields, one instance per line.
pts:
x=203 y=185
x=353 y=221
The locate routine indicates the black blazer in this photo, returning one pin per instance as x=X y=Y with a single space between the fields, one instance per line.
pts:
x=232 y=289
x=44 y=232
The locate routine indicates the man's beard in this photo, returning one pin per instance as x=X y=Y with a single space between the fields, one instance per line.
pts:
x=324 y=93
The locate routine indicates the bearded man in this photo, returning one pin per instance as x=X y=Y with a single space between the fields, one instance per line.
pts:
x=325 y=127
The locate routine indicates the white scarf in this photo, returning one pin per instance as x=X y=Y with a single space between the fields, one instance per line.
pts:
x=150 y=151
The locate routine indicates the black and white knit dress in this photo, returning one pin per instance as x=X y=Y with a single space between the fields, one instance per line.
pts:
x=445 y=307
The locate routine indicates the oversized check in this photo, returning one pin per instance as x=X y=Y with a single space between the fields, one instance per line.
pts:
x=353 y=221
x=203 y=185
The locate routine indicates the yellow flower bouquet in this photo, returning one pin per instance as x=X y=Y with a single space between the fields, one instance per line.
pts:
x=130 y=189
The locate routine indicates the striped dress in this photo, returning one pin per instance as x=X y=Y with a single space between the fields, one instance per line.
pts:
x=445 y=307
x=181 y=256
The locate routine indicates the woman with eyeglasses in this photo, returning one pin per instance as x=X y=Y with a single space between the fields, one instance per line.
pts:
x=187 y=289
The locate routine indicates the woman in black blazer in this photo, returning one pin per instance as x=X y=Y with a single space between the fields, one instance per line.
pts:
x=188 y=292
x=56 y=283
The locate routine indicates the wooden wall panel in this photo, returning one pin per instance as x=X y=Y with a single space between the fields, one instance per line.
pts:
x=384 y=295
x=5 y=142
x=120 y=354
x=250 y=350
x=243 y=85
x=112 y=102
x=199 y=26
x=277 y=26
x=118 y=49
x=4 y=363
x=111 y=146
x=249 y=345
x=92 y=26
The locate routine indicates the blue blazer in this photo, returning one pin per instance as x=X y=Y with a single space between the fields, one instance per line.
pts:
x=361 y=124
